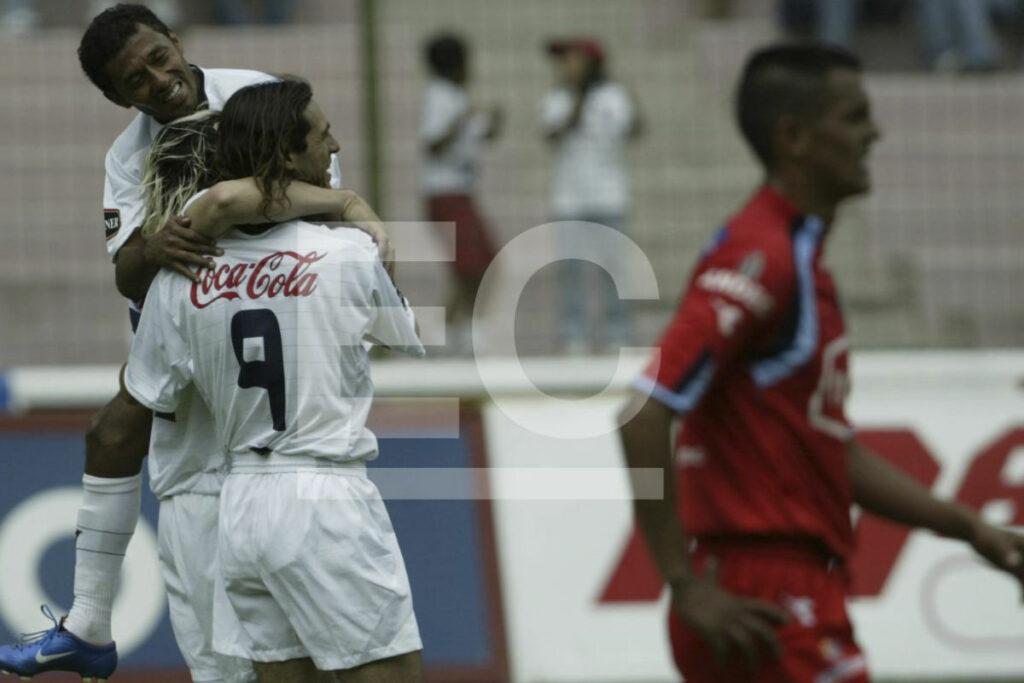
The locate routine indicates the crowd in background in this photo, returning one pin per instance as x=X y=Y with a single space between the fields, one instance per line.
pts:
x=22 y=16
x=952 y=35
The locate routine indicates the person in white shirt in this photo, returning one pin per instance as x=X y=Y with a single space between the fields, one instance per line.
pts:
x=137 y=62
x=273 y=341
x=588 y=120
x=451 y=134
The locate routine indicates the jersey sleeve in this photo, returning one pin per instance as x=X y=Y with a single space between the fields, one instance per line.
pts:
x=393 y=324
x=735 y=299
x=159 y=366
x=123 y=209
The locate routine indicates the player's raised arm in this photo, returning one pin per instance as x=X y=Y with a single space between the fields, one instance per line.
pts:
x=240 y=202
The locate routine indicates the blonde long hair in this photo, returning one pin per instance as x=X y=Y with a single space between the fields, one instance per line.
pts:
x=180 y=163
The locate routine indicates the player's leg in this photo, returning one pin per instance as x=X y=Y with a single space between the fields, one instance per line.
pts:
x=345 y=606
x=187 y=538
x=292 y=671
x=116 y=443
x=406 y=668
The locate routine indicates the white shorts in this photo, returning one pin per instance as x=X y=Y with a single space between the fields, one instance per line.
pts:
x=187 y=535
x=312 y=569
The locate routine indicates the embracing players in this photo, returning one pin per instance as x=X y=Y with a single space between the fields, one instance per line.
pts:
x=755 y=362
x=273 y=340
x=137 y=62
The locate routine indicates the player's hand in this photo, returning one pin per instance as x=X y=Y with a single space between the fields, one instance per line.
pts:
x=1004 y=549
x=731 y=625
x=383 y=241
x=180 y=248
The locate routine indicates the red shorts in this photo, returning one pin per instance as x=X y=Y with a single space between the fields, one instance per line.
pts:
x=473 y=249
x=817 y=643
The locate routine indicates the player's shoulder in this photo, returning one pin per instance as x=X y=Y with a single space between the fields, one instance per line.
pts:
x=352 y=242
x=221 y=84
x=764 y=224
x=755 y=246
x=134 y=138
x=244 y=76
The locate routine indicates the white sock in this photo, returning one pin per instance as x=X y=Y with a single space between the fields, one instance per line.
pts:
x=106 y=522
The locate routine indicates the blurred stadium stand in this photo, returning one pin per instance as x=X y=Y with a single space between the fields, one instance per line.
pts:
x=931 y=259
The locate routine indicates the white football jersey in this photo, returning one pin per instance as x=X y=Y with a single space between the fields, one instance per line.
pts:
x=273 y=340
x=184 y=454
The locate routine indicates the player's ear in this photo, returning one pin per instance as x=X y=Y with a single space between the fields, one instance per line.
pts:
x=791 y=137
x=117 y=99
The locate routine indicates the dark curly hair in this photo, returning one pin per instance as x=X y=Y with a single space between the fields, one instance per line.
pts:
x=106 y=36
x=260 y=126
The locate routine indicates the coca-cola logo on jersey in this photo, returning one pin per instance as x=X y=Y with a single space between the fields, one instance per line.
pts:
x=283 y=273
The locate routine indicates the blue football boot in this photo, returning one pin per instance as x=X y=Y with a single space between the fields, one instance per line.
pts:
x=57 y=650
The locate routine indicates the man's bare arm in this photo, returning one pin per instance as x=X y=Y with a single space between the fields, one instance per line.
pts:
x=731 y=625
x=187 y=242
x=884 y=490
x=237 y=202
x=646 y=443
x=176 y=246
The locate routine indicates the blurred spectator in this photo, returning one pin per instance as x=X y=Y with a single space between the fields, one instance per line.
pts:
x=588 y=119
x=830 y=21
x=451 y=131
x=19 y=17
x=234 y=13
x=957 y=35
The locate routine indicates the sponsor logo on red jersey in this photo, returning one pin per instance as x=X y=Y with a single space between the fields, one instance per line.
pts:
x=283 y=273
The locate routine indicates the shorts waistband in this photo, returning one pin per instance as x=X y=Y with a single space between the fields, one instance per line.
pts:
x=799 y=548
x=254 y=463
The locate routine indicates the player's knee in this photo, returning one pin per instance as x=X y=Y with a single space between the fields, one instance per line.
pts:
x=117 y=432
x=104 y=435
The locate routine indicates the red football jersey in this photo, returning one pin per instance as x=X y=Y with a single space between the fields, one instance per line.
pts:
x=756 y=360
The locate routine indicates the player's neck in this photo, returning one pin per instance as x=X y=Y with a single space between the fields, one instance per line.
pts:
x=804 y=193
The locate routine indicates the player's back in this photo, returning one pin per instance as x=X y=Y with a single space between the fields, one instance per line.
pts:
x=275 y=334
